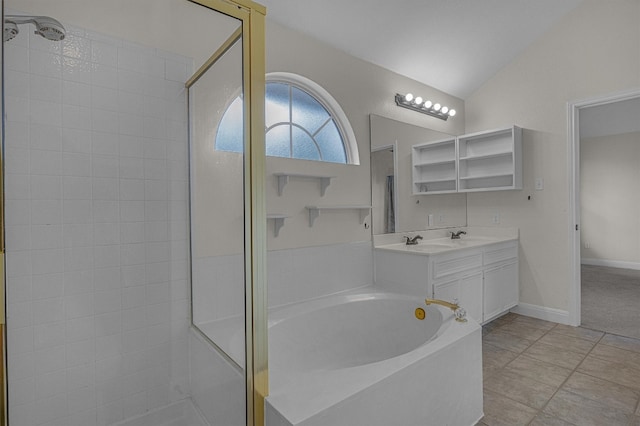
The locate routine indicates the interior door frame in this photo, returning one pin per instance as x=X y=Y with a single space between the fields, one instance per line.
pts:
x=573 y=120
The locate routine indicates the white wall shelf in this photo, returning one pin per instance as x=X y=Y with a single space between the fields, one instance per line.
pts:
x=278 y=222
x=490 y=161
x=434 y=167
x=283 y=179
x=314 y=211
x=483 y=161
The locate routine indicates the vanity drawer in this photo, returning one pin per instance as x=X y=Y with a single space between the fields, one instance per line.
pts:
x=453 y=264
x=500 y=253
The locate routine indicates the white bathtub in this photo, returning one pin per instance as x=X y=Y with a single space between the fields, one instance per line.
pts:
x=362 y=358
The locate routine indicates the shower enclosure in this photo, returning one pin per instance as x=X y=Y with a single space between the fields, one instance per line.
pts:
x=102 y=180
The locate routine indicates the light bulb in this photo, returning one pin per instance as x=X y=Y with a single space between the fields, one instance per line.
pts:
x=418 y=100
x=452 y=112
x=427 y=104
x=445 y=109
x=436 y=107
x=408 y=97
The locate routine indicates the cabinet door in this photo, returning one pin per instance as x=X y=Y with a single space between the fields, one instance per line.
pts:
x=467 y=290
x=510 y=281
x=500 y=289
x=447 y=290
x=471 y=295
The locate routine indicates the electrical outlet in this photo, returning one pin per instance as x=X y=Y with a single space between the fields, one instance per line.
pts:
x=440 y=218
x=539 y=184
x=495 y=219
x=587 y=245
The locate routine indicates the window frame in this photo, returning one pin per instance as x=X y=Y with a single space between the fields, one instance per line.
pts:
x=327 y=101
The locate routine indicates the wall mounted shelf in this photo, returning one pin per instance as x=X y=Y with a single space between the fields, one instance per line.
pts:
x=278 y=222
x=283 y=179
x=314 y=211
x=434 y=167
x=483 y=161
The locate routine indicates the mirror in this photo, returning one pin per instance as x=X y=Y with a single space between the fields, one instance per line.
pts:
x=395 y=209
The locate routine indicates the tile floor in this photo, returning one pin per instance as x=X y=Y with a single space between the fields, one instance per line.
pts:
x=542 y=373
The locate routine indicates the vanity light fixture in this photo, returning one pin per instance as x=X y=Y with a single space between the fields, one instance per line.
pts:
x=426 y=107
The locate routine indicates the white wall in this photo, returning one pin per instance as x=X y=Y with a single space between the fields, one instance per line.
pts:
x=360 y=88
x=594 y=51
x=96 y=180
x=610 y=201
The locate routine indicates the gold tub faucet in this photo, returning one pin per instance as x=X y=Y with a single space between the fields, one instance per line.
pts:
x=459 y=312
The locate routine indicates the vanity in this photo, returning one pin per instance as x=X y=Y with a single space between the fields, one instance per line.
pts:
x=480 y=269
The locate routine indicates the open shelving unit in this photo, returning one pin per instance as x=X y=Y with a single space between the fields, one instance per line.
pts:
x=483 y=161
x=490 y=161
x=434 y=167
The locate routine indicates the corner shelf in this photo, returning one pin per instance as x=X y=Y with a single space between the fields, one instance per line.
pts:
x=283 y=179
x=278 y=222
x=314 y=211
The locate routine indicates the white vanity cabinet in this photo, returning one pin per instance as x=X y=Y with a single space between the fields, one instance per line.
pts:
x=484 y=279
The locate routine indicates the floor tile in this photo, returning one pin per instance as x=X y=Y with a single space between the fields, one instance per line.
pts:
x=582 y=411
x=541 y=371
x=543 y=419
x=580 y=332
x=495 y=358
x=522 y=330
x=610 y=353
x=609 y=393
x=520 y=388
x=554 y=355
x=501 y=411
x=573 y=344
x=507 y=341
x=535 y=322
x=617 y=372
x=635 y=421
x=638 y=410
x=621 y=342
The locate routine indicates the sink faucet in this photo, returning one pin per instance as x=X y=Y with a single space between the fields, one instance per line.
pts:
x=459 y=312
x=456 y=235
x=413 y=241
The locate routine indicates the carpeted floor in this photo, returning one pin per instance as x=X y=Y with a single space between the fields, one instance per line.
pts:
x=611 y=300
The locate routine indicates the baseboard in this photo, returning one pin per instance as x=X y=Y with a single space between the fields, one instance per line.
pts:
x=542 y=312
x=611 y=263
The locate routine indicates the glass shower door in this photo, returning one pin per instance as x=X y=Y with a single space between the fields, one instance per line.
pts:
x=227 y=223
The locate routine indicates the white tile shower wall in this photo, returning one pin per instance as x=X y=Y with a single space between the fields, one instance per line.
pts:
x=96 y=219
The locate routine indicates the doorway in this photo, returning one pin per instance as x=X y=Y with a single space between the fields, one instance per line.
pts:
x=604 y=135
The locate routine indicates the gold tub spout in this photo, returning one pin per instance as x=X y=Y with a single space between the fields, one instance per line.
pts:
x=452 y=306
x=459 y=313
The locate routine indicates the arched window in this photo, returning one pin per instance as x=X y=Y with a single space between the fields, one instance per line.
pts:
x=302 y=121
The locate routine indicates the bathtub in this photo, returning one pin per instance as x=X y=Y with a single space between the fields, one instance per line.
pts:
x=362 y=358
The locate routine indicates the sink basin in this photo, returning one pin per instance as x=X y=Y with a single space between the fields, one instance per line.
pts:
x=439 y=245
x=431 y=246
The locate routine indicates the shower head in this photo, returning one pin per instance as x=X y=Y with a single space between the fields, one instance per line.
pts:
x=47 y=27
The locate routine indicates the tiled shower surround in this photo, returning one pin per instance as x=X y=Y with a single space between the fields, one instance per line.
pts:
x=96 y=229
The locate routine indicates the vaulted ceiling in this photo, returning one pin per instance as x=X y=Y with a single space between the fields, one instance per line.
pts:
x=452 y=45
